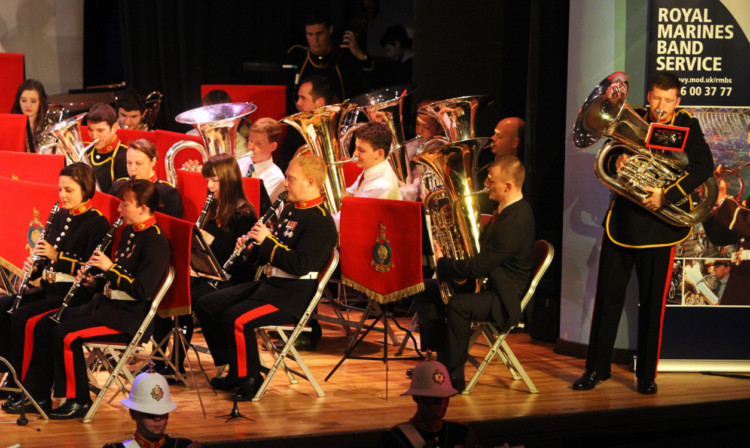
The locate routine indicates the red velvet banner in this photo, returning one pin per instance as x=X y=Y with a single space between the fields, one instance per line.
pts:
x=40 y=168
x=13 y=132
x=12 y=74
x=179 y=232
x=193 y=192
x=381 y=249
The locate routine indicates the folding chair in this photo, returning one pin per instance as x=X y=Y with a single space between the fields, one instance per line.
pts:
x=121 y=353
x=288 y=351
x=541 y=259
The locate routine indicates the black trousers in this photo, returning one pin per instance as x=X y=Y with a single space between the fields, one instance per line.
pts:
x=228 y=318
x=447 y=328
x=653 y=266
x=7 y=346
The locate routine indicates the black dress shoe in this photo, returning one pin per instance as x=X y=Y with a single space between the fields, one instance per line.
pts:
x=247 y=388
x=22 y=403
x=646 y=387
x=222 y=383
x=590 y=379
x=458 y=383
x=71 y=409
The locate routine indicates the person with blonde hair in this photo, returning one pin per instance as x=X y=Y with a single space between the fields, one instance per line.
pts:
x=263 y=140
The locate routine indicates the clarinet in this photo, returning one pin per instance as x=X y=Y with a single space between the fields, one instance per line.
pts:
x=204 y=213
x=79 y=281
x=34 y=260
x=238 y=251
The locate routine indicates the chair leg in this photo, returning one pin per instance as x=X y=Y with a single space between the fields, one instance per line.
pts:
x=112 y=377
x=518 y=367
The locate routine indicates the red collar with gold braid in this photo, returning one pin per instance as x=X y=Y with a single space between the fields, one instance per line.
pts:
x=149 y=444
x=110 y=147
x=309 y=204
x=83 y=208
x=145 y=224
x=153 y=179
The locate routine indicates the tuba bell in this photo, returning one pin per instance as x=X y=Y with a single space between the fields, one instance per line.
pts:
x=457 y=116
x=319 y=128
x=606 y=113
x=452 y=206
x=217 y=125
x=65 y=136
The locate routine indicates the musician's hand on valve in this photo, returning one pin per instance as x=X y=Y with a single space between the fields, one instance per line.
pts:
x=259 y=232
x=438 y=253
x=722 y=192
x=655 y=200
x=99 y=260
x=349 y=40
x=620 y=162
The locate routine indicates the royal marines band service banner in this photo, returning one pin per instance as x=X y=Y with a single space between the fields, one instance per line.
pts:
x=705 y=43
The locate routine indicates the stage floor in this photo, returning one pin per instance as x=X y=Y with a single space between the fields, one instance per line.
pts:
x=363 y=397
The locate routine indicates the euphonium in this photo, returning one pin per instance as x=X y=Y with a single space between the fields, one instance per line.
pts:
x=217 y=125
x=318 y=127
x=457 y=116
x=67 y=137
x=605 y=113
x=452 y=206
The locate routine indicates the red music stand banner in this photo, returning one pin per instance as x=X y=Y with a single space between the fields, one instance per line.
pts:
x=381 y=247
x=40 y=168
x=179 y=233
x=13 y=132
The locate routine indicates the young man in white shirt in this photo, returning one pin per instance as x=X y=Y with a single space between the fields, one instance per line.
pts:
x=372 y=145
x=262 y=141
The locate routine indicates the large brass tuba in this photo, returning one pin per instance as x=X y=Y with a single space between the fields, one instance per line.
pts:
x=455 y=220
x=605 y=113
x=457 y=116
x=319 y=128
x=217 y=124
x=65 y=136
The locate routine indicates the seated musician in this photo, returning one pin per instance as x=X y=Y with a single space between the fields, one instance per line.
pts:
x=131 y=109
x=507 y=140
x=263 y=140
x=142 y=157
x=298 y=248
x=31 y=100
x=229 y=216
x=109 y=155
x=124 y=289
x=504 y=258
x=426 y=126
x=73 y=234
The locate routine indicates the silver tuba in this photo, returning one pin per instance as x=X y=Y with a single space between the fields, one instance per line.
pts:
x=217 y=125
x=65 y=136
x=606 y=113
x=455 y=220
x=319 y=128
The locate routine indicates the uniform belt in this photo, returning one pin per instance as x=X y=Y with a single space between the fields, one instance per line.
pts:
x=276 y=272
x=116 y=294
x=51 y=276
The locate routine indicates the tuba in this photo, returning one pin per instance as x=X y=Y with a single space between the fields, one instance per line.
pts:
x=217 y=125
x=457 y=116
x=318 y=127
x=605 y=113
x=455 y=221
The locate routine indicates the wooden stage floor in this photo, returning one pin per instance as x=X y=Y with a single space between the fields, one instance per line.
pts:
x=360 y=401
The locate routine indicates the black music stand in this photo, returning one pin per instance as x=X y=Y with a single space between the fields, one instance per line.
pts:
x=202 y=259
x=7 y=285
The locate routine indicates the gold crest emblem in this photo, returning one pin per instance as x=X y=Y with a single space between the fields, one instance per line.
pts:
x=382 y=253
x=157 y=393
x=438 y=377
x=35 y=229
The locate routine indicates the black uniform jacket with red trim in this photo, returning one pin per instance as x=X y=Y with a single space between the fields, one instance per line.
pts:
x=225 y=238
x=75 y=234
x=109 y=164
x=504 y=257
x=169 y=197
x=630 y=225
x=140 y=263
x=302 y=242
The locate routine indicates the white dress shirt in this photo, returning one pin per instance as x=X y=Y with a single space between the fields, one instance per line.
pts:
x=266 y=171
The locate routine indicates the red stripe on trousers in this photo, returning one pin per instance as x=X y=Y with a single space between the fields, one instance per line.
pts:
x=239 y=336
x=28 y=341
x=70 y=382
x=663 y=304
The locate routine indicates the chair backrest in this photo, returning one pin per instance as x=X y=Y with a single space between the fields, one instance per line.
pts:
x=12 y=74
x=541 y=258
x=13 y=132
x=155 y=302
x=323 y=276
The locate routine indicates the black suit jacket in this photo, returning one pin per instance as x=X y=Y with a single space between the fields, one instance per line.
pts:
x=504 y=257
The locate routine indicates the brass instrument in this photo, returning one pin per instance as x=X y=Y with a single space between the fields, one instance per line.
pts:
x=66 y=136
x=606 y=113
x=153 y=104
x=452 y=206
x=34 y=260
x=217 y=125
x=319 y=129
x=457 y=116
x=239 y=250
x=106 y=241
x=204 y=213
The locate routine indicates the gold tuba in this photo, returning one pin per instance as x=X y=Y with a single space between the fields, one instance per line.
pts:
x=217 y=124
x=319 y=129
x=66 y=137
x=457 y=116
x=455 y=221
x=605 y=113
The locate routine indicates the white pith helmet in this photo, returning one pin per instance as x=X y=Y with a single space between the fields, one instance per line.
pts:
x=431 y=379
x=150 y=394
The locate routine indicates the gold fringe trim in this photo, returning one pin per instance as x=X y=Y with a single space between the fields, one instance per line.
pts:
x=177 y=311
x=380 y=298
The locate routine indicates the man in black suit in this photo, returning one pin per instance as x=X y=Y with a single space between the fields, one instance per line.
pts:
x=634 y=237
x=504 y=258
